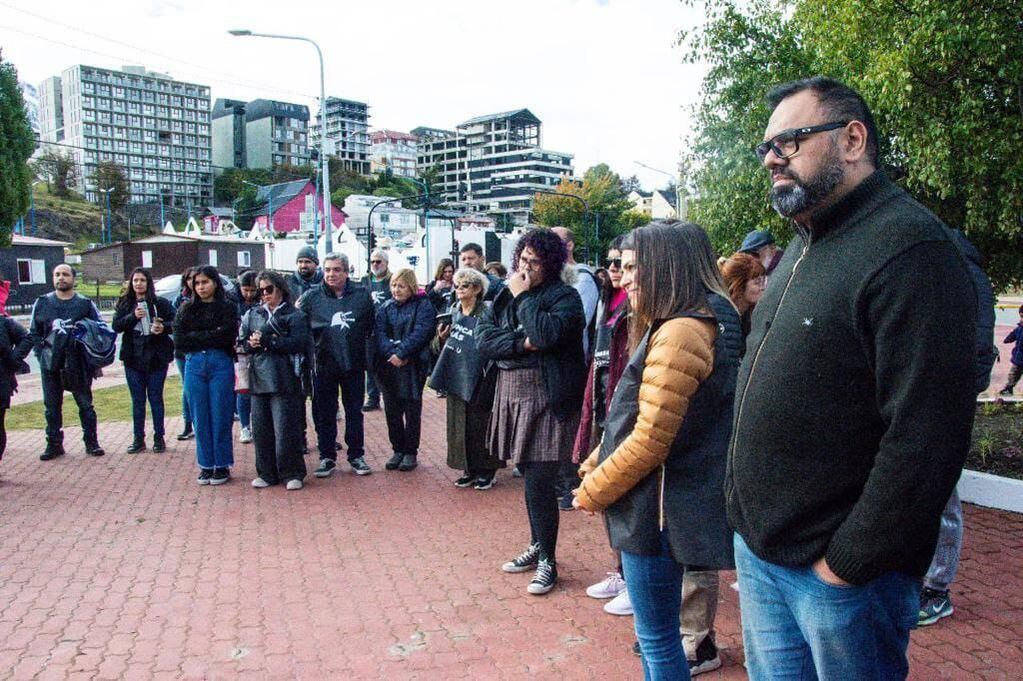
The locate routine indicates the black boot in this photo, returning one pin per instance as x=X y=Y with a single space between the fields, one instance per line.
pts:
x=408 y=463
x=93 y=449
x=187 y=433
x=395 y=461
x=52 y=451
x=158 y=444
x=137 y=445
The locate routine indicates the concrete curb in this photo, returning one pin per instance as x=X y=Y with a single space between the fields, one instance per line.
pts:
x=992 y=491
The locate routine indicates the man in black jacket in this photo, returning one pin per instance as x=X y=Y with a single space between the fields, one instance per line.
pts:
x=854 y=403
x=307 y=272
x=67 y=307
x=340 y=317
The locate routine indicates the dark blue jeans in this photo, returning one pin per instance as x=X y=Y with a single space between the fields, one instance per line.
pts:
x=655 y=589
x=186 y=410
x=143 y=385
x=325 y=387
x=243 y=407
x=209 y=383
x=797 y=626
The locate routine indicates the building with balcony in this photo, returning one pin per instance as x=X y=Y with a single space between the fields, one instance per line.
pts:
x=155 y=127
x=262 y=133
x=493 y=164
x=51 y=111
x=347 y=133
x=393 y=151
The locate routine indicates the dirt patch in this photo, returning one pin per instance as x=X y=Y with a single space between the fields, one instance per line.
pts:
x=997 y=444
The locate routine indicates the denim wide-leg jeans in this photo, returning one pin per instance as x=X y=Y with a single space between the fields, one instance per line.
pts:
x=209 y=385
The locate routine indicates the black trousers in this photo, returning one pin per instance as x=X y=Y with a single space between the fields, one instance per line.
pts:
x=53 y=403
x=3 y=433
x=541 y=488
x=277 y=436
x=404 y=423
x=325 y=387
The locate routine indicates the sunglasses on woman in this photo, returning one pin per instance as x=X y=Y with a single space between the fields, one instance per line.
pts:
x=267 y=290
x=613 y=262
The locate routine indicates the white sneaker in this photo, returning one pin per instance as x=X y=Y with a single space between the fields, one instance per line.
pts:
x=619 y=605
x=609 y=588
x=246 y=436
x=260 y=483
x=294 y=484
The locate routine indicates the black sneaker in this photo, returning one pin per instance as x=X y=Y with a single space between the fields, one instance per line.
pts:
x=94 y=450
x=159 y=445
x=544 y=579
x=934 y=605
x=187 y=433
x=525 y=561
x=707 y=658
x=204 y=476
x=395 y=461
x=359 y=466
x=465 y=481
x=136 y=447
x=52 y=452
x=371 y=406
x=220 y=476
x=565 y=502
x=485 y=482
x=326 y=469
x=408 y=463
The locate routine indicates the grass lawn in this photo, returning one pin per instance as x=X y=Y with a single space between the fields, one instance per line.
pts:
x=112 y=404
x=997 y=445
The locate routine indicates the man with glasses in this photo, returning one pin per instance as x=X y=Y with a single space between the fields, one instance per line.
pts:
x=340 y=317
x=844 y=451
x=378 y=283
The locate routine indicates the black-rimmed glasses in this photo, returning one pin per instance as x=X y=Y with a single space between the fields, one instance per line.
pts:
x=786 y=143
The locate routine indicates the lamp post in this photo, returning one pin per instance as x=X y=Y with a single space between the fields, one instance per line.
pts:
x=369 y=225
x=108 y=232
x=324 y=165
x=678 y=186
x=586 y=206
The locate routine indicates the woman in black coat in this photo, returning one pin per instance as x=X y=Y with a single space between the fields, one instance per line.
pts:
x=537 y=342
x=276 y=335
x=404 y=327
x=15 y=344
x=145 y=322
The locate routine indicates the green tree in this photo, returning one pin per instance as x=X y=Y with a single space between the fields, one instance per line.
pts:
x=16 y=145
x=110 y=175
x=944 y=81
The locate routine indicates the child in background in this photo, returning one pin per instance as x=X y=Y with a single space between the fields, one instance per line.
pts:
x=1016 y=367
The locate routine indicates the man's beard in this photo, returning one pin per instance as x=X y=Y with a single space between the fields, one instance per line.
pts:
x=799 y=197
x=64 y=286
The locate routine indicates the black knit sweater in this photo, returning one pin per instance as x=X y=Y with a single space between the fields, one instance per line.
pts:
x=202 y=326
x=855 y=400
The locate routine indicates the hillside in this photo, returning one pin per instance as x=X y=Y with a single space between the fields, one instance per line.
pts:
x=77 y=221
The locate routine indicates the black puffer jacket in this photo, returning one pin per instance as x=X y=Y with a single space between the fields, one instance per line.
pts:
x=551 y=317
x=404 y=330
x=277 y=363
x=145 y=353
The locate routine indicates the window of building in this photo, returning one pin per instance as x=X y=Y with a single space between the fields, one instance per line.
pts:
x=244 y=259
x=213 y=257
x=31 y=271
x=147 y=259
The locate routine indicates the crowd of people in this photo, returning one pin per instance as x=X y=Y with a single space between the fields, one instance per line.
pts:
x=770 y=411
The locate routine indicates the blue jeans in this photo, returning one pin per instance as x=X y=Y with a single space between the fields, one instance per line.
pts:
x=209 y=384
x=945 y=564
x=796 y=626
x=186 y=410
x=243 y=407
x=655 y=589
x=143 y=385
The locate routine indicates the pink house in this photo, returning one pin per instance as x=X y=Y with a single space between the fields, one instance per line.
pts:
x=294 y=206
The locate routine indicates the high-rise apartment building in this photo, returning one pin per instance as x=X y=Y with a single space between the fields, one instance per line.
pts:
x=51 y=110
x=347 y=125
x=259 y=134
x=155 y=127
x=393 y=151
x=493 y=164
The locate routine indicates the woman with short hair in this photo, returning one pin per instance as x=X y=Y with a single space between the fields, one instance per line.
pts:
x=658 y=474
x=205 y=329
x=463 y=375
x=746 y=280
x=496 y=269
x=404 y=327
x=536 y=341
x=276 y=335
x=145 y=322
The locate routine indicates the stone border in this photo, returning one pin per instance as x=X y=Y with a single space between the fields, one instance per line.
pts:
x=992 y=491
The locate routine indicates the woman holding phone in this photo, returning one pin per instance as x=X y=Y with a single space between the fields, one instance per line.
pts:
x=145 y=322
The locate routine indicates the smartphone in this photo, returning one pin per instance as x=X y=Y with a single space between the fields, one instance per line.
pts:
x=444 y=319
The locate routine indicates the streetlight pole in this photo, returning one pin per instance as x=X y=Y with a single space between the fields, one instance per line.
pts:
x=369 y=226
x=108 y=231
x=678 y=186
x=586 y=206
x=324 y=164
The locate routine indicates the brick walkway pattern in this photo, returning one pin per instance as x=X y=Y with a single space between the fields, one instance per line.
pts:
x=123 y=568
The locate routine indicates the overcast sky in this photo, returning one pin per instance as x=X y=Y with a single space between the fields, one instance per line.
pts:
x=604 y=76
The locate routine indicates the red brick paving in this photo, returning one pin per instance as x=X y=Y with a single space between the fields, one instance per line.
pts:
x=122 y=567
